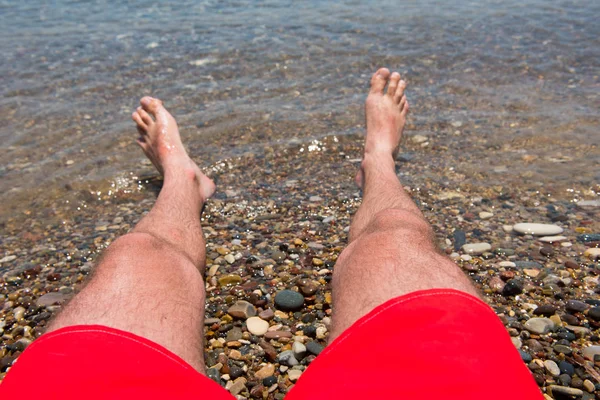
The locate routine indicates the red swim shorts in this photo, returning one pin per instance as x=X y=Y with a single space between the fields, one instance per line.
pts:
x=433 y=344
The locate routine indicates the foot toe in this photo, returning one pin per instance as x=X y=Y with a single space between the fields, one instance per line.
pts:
x=151 y=105
x=379 y=80
x=403 y=105
x=399 y=91
x=145 y=116
x=138 y=120
x=394 y=79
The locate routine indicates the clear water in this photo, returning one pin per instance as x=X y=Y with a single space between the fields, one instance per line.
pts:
x=491 y=79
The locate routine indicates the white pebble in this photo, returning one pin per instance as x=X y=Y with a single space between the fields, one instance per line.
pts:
x=552 y=239
x=485 y=215
x=257 y=326
x=476 y=248
x=508 y=264
x=593 y=253
x=537 y=229
x=294 y=374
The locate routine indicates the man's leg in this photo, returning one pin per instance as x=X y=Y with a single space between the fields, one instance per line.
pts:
x=149 y=282
x=391 y=250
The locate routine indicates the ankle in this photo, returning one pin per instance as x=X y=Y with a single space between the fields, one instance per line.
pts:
x=377 y=159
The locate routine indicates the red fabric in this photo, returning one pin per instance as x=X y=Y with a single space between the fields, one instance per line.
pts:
x=427 y=345
x=96 y=362
x=431 y=344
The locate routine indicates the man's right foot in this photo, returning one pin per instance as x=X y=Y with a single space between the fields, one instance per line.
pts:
x=159 y=139
x=385 y=114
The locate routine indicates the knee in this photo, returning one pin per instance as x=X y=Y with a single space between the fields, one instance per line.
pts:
x=400 y=223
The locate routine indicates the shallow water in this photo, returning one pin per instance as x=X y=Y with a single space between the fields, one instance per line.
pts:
x=507 y=91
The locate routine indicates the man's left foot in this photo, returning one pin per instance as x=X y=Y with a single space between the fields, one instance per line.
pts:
x=160 y=140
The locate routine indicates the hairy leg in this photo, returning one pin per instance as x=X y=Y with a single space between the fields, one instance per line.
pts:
x=391 y=250
x=150 y=281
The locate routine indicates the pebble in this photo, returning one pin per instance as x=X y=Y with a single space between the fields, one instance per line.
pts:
x=314 y=348
x=242 y=310
x=278 y=334
x=539 y=326
x=230 y=258
x=507 y=264
x=460 y=238
x=588 y=203
x=513 y=287
x=476 y=248
x=593 y=253
x=552 y=368
x=589 y=237
x=552 y=239
x=19 y=313
x=238 y=386
x=287 y=358
x=50 y=299
x=419 y=139
x=561 y=348
x=528 y=264
x=576 y=306
x=265 y=372
x=564 y=390
x=294 y=374
x=590 y=351
x=230 y=279
x=289 y=300
x=299 y=350
x=267 y=314
x=257 y=326
x=532 y=273
x=589 y=386
x=566 y=368
x=594 y=313
x=546 y=310
x=7 y=259
x=537 y=229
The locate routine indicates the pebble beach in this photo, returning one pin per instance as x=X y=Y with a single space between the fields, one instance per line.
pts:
x=500 y=153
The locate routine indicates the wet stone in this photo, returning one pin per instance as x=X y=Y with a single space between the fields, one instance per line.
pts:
x=242 y=310
x=230 y=279
x=476 y=248
x=269 y=381
x=560 y=348
x=287 y=358
x=314 y=348
x=289 y=300
x=459 y=238
x=278 y=335
x=234 y=334
x=513 y=287
x=528 y=264
x=539 y=326
x=576 y=306
x=590 y=352
x=566 y=368
x=565 y=391
x=564 y=379
x=537 y=229
x=589 y=237
x=525 y=356
x=546 y=310
x=552 y=368
x=594 y=313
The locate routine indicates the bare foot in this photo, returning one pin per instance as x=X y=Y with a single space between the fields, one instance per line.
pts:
x=385 y=114
x=160 y=140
